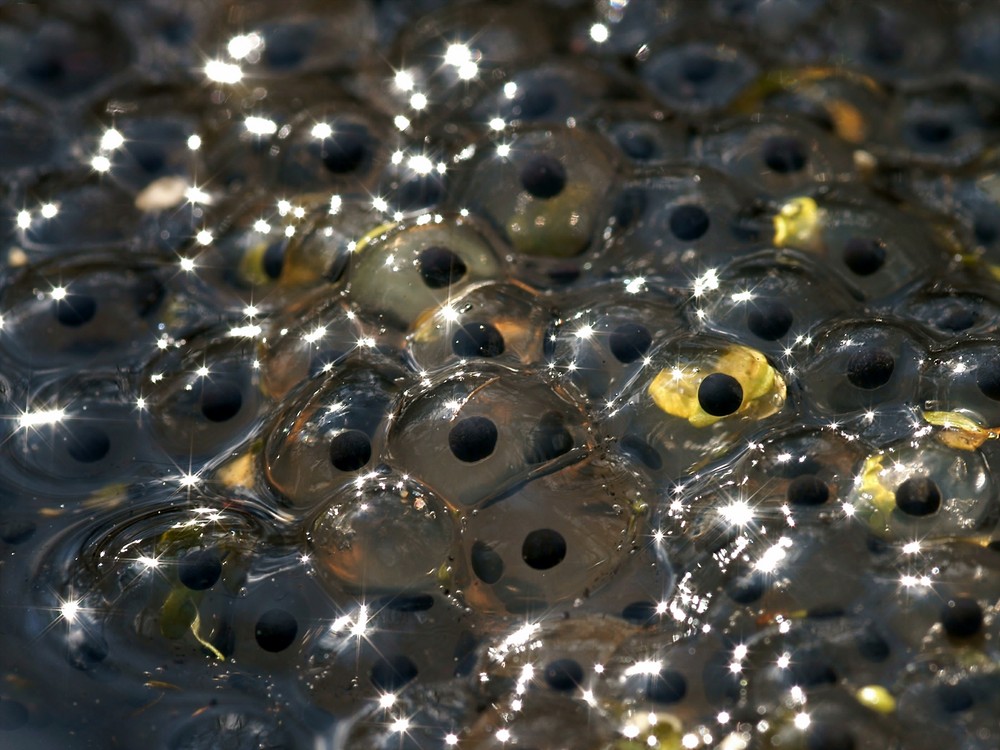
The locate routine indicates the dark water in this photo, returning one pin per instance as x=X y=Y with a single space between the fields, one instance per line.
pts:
x=518 y=375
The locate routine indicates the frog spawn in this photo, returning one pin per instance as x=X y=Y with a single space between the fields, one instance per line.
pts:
x=250 y=494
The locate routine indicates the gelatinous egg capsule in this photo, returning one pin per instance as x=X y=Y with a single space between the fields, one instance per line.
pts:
x=673 y=222
x=445 y=52
x=798 y=470
x=597 y=347
x=923 y=490
x=965 y=379
x=203 y=393
x=971 y=203
x=303 y=36
x=401 y=273
x=778 y=155
x=544 y=189
x=98 y=310
x=873 y=247
x=693 y=402
x=64 y=56
x=338 y=147
x=384 y=533
x=504 y=322
x=523 y=554
x=311 y=339
x=29 y=138
x=864 y=376
x=388 y=650
x=144 y=144
x=696 y=79
x=657 y=690
x=644 y=135
x=945 y=311
x=86 y=435
x=475 y=433
x=263 y=253
x=891 y=43
x=552 y=93
x=76 y=211
x=942 y=127
x=330 y=436
x=773 y=303
x=175 y=572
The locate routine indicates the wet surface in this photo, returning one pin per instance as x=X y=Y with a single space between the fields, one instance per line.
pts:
x=531 y=375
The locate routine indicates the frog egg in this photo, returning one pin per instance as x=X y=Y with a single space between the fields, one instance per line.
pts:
x=447 y=51
x=978 y=42
x=386 y=533
x=938 y=599
x=203 y=394
x=935 y=704
x=74 y=211
x=597 y=347
x=943 y=127
x=261 y=253
x=312 y=339
x=643 y=135
x=544 y=189
x=169 y=29
x=145 y=140
x=774 y=304
x=780 y=21
x=799 y=470
x=675 y=221
x=95 y=311
x=945 y=311
x=964 y=378
x=923 y=489
x=59 y=57
x=890 y=42
x=778 y=155
x=969 y=202
x=694 y=403
x=695 y=79
x=523 y=557
x=500 y=322
x=333 y=434
x=84 y=434
x=405 y=272
x=303 y=36
x=872 y=246
x=392 y=649
x=339 y=147
x=473 y=434
x=552 y=93
x=567 y=658
x=862 y=371
x=29 y=136
x=665 y=684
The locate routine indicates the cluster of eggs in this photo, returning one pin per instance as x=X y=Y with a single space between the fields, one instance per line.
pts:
x=547 y=374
